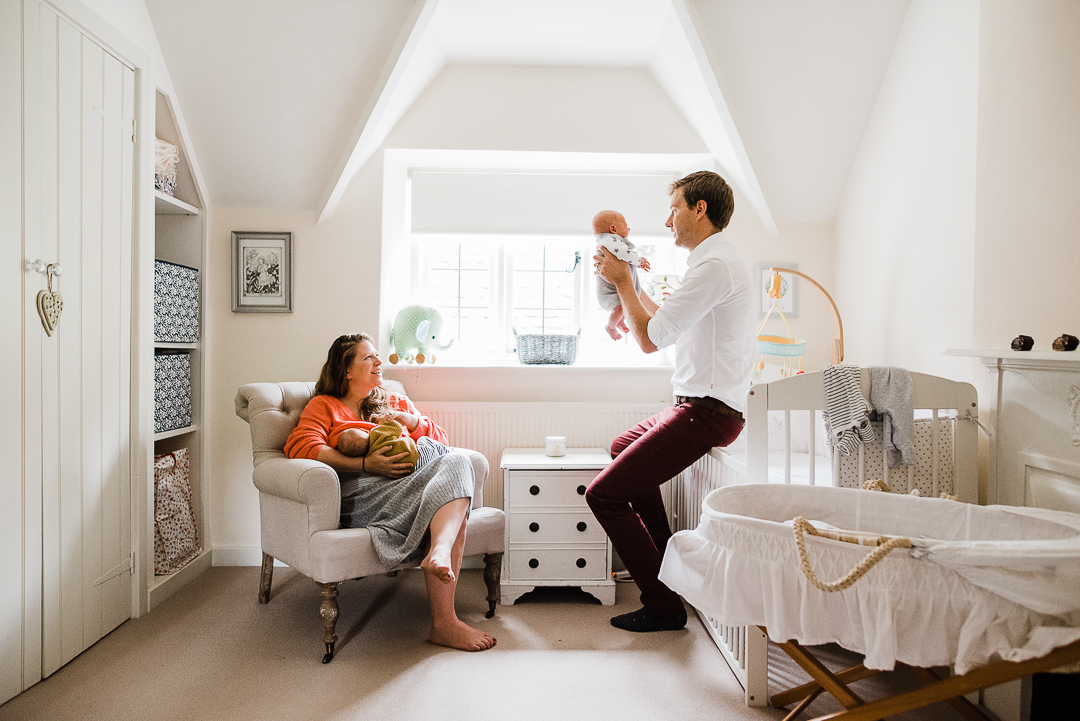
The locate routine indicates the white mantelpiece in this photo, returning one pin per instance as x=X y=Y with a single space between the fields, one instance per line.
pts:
x=1035 y=427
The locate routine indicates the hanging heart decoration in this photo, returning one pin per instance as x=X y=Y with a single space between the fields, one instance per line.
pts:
x=50 y=306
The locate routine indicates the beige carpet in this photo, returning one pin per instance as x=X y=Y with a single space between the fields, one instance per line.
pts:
x=212 y=652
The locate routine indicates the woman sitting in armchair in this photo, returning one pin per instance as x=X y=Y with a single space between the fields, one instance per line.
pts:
x=380 y=490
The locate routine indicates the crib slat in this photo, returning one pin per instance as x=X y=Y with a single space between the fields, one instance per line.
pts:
x=884 y=464
x=787 y=447
x=813 y=448
x=862 y=465
x=836 y=467
x=934 y=435
x=910 y=478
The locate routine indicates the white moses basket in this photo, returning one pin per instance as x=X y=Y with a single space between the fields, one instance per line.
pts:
x=981 y=584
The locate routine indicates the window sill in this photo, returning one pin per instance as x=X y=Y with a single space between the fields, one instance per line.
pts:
x=642 y=362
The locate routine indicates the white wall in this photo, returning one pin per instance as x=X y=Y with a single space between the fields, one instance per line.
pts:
x=336 y=264
x=905 y=232
x=1027 y=242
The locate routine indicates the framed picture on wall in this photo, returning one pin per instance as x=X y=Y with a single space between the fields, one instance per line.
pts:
x=261 y=272
x=789 y=295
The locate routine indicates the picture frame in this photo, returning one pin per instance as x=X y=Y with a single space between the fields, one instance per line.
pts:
x=789 y=289
x=261 y=272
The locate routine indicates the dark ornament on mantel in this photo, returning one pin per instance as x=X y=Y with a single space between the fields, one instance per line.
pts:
x=1066 y=342
x=1022 y=342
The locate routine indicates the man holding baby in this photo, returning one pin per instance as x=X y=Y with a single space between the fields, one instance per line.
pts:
x=708 y=319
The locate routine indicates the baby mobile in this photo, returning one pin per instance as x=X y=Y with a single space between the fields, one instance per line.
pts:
x=791 y=347
x=786 y=348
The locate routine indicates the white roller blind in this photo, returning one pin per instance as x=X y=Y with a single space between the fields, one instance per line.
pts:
x=535 y=202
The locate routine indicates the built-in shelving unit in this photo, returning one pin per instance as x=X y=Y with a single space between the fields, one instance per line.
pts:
x=180 y=236
x=168 y=205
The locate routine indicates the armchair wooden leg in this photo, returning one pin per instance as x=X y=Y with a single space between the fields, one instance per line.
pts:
x=328 y=609
x=492 y=576
x=266 y=578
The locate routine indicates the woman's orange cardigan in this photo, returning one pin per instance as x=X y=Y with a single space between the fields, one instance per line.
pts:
x=325 y=417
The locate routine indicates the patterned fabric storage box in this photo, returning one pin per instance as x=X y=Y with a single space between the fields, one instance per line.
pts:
x=176 y=303
x=172 y=391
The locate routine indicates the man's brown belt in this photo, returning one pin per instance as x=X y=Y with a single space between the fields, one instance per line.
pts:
x=713 y=405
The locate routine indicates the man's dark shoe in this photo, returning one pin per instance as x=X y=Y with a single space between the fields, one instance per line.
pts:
x=642 y=621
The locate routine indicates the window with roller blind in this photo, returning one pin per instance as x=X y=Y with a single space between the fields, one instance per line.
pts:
x=496 y=253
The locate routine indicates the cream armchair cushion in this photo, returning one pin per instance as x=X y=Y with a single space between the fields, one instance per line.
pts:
x=299 y=506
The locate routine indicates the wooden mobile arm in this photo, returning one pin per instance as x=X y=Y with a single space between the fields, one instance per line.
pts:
x=838 y=342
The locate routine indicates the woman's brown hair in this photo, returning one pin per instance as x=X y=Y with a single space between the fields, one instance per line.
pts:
x=334 y=377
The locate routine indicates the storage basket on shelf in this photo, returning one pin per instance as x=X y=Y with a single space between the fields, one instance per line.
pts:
x=546 y=348
x=176 y=303
x=176 y=539
x=172 y=391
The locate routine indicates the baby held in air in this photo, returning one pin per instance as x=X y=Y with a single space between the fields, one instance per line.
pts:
x=612 y=238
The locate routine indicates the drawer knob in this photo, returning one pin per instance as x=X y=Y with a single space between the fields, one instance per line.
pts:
x=533 y=563
x=581 y=526
x=581 y=490
x=535 y=490
x=581 y=563
x=534 y=526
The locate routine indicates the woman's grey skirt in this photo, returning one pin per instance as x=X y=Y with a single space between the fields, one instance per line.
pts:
x=397 y=512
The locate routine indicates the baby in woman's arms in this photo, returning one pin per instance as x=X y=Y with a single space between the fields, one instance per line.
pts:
x=354 y=442
x=611 y=237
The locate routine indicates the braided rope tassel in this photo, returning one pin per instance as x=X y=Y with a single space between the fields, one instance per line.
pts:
x=803 y=526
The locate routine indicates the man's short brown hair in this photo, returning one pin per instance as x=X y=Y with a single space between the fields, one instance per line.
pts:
x=714 y=190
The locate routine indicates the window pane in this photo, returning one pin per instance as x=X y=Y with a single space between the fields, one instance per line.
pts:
x=527 y=322
x=560 y=322
x=475 y=290
x=529 y=254
x=476 y=330
x=459 y=287
x=443 y=288
x=559 y=290
x=543 y=290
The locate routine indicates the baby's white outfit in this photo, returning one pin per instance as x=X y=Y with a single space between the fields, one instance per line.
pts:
x=622 y=249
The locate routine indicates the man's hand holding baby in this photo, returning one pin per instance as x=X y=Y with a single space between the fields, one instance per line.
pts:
x=614 y=271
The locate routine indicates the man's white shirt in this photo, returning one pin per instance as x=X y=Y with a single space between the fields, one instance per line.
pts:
x=710 y=321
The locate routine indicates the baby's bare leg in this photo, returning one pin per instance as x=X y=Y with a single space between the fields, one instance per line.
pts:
x=616 y=323
x=352 y=443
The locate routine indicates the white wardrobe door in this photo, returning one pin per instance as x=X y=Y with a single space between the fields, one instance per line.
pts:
x=86 y=106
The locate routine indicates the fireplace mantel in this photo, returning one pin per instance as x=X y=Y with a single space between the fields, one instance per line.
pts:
x=1034 y=420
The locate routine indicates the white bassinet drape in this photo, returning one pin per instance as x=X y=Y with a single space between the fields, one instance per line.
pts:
x=981 y=584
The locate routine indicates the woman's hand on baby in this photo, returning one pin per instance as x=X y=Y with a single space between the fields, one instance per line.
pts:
x=381 y=463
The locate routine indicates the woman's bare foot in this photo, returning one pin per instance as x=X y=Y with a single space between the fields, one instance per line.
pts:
x=438 y=565
x=462 y=636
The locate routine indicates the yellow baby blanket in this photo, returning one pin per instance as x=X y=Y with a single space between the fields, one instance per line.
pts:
x=390 y=433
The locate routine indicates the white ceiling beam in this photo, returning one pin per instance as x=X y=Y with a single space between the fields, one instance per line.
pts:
x=409 y=68
x=723 y=141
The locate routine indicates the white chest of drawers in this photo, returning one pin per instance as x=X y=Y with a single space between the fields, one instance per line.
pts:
x=552 y=538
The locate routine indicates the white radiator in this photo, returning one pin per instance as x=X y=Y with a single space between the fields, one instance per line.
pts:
x=490 y=427
x=745 y=648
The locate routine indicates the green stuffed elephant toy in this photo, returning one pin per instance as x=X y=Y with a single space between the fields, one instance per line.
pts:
x=415 y=334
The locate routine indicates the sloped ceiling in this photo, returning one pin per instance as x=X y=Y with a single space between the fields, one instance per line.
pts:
x=277 y=93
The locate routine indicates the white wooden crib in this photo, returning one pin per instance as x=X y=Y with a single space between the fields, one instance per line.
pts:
x=783 y=443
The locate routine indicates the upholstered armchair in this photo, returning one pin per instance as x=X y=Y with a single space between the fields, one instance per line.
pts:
x=299 y=504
